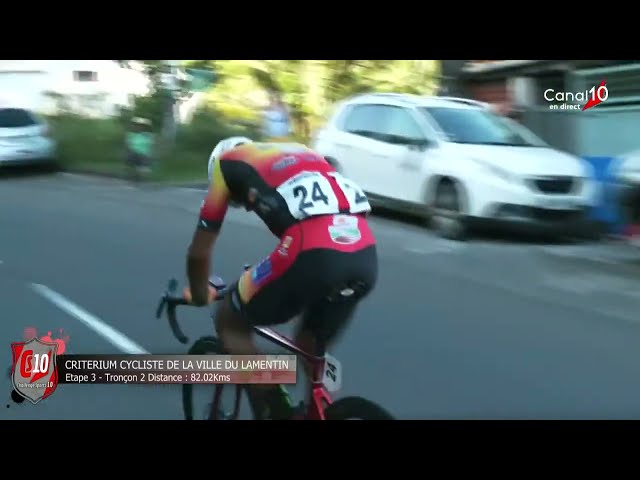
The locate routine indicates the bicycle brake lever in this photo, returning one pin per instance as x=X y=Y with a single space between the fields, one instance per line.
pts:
x=171 y=288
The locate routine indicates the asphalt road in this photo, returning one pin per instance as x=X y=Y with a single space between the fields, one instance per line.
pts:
x=482 y=329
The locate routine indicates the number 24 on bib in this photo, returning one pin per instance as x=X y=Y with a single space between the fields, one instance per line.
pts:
x=310 y=193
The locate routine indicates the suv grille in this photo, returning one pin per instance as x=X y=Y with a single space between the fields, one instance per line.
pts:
x=556 y=185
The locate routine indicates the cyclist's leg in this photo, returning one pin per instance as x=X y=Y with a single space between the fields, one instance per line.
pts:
x=264 y=295
x=321 y=325
x=326 y=317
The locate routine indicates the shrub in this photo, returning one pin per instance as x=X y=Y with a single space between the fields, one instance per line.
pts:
x=84 y=140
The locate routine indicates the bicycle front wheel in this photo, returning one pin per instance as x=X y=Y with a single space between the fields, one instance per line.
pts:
x=356 y=408
x=219 y=403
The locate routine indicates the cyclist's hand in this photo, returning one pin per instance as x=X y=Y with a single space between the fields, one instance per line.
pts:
x=211 y=296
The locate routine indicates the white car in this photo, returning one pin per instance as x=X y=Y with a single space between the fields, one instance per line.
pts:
x=24 y=139
x=455 y=161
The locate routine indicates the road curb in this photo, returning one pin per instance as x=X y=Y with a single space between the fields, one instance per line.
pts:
x=124 y=176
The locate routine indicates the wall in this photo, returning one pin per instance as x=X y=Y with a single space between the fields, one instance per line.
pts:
x=495 y=93
x=557 y=128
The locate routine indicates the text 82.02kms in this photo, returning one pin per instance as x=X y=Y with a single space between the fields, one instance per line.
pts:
x=147 y=377
x=177 y=377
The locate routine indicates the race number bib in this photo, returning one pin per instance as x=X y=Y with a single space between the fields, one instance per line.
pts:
x=310 y=193
x=358 y=202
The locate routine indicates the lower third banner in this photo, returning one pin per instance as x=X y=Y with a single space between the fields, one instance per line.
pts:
x=170 y=369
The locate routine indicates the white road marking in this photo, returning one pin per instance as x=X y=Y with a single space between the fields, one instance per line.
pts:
x=113 y=336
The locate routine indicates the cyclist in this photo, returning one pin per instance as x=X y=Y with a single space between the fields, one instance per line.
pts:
x=324 y=264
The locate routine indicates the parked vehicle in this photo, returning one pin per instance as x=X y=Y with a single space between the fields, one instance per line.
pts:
x=455 y=161
x=24 y=139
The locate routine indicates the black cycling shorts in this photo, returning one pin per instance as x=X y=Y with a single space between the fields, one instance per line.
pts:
x=324 y=285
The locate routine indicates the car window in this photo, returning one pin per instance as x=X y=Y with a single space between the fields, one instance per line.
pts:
x=15 y=118
x=479 y=126
x=400 y=126
x=365 y=120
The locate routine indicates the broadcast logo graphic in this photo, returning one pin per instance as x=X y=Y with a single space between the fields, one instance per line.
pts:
x=34 y=372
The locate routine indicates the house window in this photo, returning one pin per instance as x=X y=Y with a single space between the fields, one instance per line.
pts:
x=85 y=76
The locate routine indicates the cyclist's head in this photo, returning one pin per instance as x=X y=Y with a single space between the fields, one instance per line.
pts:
x=224 y=146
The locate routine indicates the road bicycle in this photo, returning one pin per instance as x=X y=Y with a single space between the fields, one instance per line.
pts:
x=326 y=378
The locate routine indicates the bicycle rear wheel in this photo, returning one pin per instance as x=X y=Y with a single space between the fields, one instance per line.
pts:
x=219 y=407
x=356 y=408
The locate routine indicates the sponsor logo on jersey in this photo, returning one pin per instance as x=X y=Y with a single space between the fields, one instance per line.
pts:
x=284 y=246
x=345 y=234
x=345 y=220
x=262 y=271
x=284 y=163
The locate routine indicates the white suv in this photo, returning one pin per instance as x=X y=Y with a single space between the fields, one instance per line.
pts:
x=455 y=161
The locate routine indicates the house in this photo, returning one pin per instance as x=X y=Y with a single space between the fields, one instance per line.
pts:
x=513 y=84
x=517 y=88
x=91 y=87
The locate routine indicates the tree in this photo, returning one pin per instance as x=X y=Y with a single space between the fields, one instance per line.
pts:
x=309 y=87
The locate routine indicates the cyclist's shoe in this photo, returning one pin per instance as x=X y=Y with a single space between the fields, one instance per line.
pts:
x=279 y=404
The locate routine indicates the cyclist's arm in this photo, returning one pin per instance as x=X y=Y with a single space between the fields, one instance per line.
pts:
x=212 y=213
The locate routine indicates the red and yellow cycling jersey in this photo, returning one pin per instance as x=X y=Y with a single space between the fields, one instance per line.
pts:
x=292 y=183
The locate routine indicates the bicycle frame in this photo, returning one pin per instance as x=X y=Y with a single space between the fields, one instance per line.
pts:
x=320 y=397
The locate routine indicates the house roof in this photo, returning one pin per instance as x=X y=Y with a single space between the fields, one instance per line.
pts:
x=500 y=69
x=489 y=66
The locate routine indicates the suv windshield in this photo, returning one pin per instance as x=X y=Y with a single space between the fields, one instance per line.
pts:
x=15 y=118
x=481 y=127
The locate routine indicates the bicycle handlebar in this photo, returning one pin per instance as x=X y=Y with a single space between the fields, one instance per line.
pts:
x=172 y=299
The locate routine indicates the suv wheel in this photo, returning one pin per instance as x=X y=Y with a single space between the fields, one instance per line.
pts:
x=447 y=217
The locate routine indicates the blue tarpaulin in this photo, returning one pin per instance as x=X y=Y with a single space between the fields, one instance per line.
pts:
x=607 y=209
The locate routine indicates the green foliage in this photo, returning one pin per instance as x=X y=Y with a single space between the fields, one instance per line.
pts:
x=99 y=144
x=150 y=107
x=311 y=87
x=83 y=140
x=206 y=129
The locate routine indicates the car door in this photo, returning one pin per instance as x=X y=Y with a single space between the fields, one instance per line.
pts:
x=399 y=154
x=357 y=146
